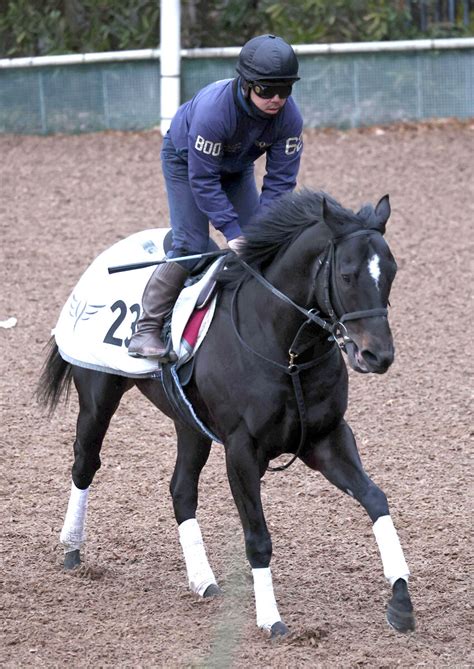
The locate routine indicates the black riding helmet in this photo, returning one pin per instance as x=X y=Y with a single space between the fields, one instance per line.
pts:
x=268 y=58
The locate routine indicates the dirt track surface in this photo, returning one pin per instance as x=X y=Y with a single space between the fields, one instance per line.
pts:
x=65 y=199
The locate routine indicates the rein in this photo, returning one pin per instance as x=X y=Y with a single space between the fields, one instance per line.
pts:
x=335 y=326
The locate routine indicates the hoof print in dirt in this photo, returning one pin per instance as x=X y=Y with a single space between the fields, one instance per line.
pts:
x=308 y=637
x=72 y=559
x=400 y=614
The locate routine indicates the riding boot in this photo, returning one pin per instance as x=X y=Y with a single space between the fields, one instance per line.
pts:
x=159 y=296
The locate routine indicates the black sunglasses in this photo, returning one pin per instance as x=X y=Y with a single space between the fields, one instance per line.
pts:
x=268 y=91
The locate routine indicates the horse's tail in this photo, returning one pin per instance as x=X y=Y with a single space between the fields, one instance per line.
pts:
x=55 y=378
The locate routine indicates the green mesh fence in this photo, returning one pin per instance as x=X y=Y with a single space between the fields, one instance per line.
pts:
x=343 y=90
x=80 y=98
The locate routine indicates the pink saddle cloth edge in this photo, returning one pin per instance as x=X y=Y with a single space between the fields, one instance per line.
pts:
x=193 y=326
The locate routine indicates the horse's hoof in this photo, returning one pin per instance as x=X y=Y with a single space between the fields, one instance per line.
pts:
x=72 y=559
x=402 y=621
x=279 y=629
x=212 y=590
x=400 y=614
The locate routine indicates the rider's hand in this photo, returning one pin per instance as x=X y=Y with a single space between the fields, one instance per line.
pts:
x=236 y=244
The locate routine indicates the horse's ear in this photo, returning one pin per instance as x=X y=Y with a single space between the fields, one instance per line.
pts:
x=333 y=222
x=382 y=213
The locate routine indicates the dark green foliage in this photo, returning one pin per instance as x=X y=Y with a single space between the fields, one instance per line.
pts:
x=40 y=27
x=310 y=21
x=313 y=21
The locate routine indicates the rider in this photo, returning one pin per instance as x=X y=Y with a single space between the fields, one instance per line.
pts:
x=208 y=158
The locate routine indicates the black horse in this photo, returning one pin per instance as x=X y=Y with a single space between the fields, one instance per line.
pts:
x=269 y=379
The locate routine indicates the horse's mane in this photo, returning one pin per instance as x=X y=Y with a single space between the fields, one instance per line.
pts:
x=276 y=227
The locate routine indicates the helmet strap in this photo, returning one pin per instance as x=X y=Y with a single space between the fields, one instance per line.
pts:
x=245 y=86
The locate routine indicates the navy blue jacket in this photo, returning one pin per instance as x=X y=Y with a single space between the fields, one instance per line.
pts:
x=219 y=133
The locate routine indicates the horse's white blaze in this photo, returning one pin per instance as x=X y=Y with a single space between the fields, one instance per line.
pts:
x=265 y=603
x=374 y=268
x=393 y=560
x=73 y=533
x=200 y=575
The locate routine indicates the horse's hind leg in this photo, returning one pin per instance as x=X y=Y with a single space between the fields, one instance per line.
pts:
x=337 y=458
x=193 y=452
x=99 y=397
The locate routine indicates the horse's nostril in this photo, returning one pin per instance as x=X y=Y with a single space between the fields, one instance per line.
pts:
x=369 y=357
x=377 y=362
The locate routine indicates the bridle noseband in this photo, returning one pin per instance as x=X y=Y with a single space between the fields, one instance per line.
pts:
x=335 y=325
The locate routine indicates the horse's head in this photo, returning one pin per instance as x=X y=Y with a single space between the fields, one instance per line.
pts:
x=353 y=284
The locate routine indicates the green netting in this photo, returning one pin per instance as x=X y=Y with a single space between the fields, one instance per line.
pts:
x=80 y=98
x=343 y=90
x=366 y=89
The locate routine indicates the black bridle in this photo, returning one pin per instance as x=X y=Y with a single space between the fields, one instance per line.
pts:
x=334 y=324
x=338 y=329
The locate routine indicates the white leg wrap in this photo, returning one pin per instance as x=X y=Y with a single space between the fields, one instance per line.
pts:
x=393 y=560
x=73 y=533
x=200 y=574
x=265 y=603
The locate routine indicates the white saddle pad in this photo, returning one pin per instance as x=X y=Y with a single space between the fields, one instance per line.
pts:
x=95 y=324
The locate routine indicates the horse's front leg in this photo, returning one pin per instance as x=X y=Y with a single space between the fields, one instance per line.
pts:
x=337 y=458
x=244 y=474
x=193 y=452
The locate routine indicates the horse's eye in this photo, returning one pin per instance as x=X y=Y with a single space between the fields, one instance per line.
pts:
x=346 y=278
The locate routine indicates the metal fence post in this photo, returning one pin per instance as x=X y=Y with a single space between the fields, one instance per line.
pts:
x=105 y=99
x=355 y=116
x=419 y=88
x=44 y=125
x=170 y=61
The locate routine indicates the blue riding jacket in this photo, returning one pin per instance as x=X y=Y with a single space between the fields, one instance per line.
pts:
x=218 y=132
